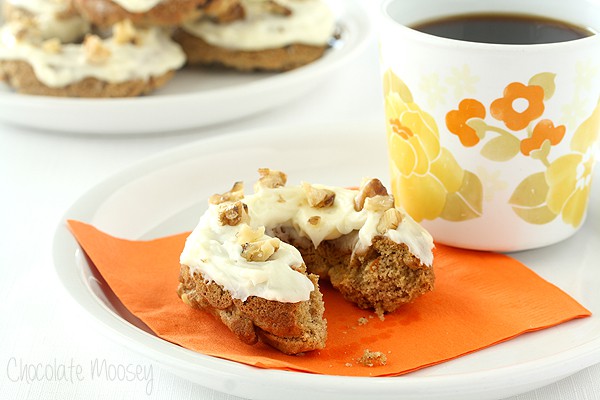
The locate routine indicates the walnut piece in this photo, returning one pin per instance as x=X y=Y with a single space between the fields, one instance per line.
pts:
x=222 y=11
x=124 y=32
x=273 y=7
x=234 y=194
x=52 y=46
x=318 y=198
x=95 y=51
x=233 y=214
x=261 y=250
x=370 y=188
x=248 y=235
x=24 y=28
x=390 y=219
x=379 y=203
x=270 y=178
x=314 y=220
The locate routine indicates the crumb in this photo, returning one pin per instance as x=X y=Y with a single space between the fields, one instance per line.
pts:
x=362 y=321
x=380 y=314
x=348 y=364
x=373 y=358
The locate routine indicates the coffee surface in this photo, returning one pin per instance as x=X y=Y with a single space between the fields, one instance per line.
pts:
x=503 y=29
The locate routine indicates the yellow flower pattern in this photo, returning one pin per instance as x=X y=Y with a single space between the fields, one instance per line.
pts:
x=426 y=178
x=569 y=177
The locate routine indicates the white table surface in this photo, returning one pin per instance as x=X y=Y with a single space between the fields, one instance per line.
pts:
x=42 y=174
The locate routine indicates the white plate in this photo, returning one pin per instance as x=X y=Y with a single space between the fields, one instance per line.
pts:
x=193 y=98
x=167 y=194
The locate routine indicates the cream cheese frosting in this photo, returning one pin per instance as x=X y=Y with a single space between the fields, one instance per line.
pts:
x=52 y=19
x=41 y=6
x=212 y=248
x=289 y=206
x=155 y=55
x=311 y=23
x=67 y=29
x=137 y=6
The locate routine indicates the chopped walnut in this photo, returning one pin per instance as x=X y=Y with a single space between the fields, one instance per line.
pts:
x=379 y=203
x=234 y=194
x=270 y=178
x=224 y=10
x=299 y=268
x=24 y=29
x=370 y=188
x=95 y=51
x=21 y=34
x=390 y=219
x=124 y=32
x=318 y=198
x=233 y=214
x=52 y=46
x=314 y=220
x=19 y=16
x=68 y=12
x=273 y=7
x=248 y=235
x=261 y=250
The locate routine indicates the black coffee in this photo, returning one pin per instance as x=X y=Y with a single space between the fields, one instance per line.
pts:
x=503 y=29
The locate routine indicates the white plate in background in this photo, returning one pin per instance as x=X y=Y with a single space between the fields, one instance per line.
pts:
x=195 y=97
x=167 y=194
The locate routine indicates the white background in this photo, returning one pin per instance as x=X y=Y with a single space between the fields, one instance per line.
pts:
x=42 y=174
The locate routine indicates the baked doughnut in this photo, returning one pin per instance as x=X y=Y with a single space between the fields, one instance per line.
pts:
x=155 y=12
x=251 y=257
x=273 y=35
x=129 y=63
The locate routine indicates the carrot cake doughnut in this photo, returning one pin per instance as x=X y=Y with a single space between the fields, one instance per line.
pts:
x=252 y=260
x=155 y=12
x=52 y=18
x=274 y=35
x=129 y=63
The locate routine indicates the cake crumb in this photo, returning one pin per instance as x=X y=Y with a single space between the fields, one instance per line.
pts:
x=373 y=358
x=348 y=364
x=362 y=321
x=380 y=314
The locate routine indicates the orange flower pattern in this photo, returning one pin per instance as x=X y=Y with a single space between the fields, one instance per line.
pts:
x=503 y=109
x=544 y=130
x=456 y=121
x=562 y=189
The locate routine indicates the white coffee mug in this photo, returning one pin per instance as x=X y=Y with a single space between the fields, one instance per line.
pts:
x=491 y=146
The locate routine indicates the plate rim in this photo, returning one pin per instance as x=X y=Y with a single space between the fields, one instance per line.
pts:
x=512 y=380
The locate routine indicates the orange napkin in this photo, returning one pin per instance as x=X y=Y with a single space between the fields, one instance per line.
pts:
x=480 y=299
